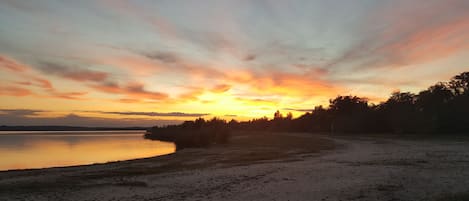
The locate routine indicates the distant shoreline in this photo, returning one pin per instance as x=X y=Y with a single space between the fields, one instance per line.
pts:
x=72 y=133
x=68 y=128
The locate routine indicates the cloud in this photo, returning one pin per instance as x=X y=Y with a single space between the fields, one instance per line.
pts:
x=69 y=95
x=159 y=23
x=298 y=110
x=265 y=82
x=137 y=90
x=11 y=64
x=257 y=101
x=14 y=91
x=22 y=117
x=138 y=65
x=142 y=62
x=31 y=79
x=73 y=72
x=156 y=114
x=164 y=57
x=230 y=115
x=283 y=83
x=131 y=90
x=43 y=83
x=408 y=33
x=205 y=40
x=28 y=7
x=213 y=42
x=108 y=87
x=25 y=72
x=306 y=83
x=129 y=100
x=250 y=57
x=192 y=94
x=221 y=88
x=38 y=82
x=20 y=112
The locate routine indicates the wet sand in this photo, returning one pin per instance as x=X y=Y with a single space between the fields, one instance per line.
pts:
x=266 y=166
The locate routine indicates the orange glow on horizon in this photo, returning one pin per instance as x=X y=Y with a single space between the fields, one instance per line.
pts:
x=143 y=61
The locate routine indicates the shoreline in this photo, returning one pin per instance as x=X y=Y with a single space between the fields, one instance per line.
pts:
x=135 y=160
x=85 y=165
x=307 y=167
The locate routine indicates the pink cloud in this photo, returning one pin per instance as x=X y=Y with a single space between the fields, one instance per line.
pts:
x=221 y=88
x=405 y=33
x=32 y=79
x=69 y=95
x=11 y=64
x=14 y=91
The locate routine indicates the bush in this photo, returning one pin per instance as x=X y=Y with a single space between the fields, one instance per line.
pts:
x=199 y=133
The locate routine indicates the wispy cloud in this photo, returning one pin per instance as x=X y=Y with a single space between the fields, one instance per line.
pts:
x=136 y=65
x=198 y=57
x=258 y=101
x=69 y=95
x=298 y=109
x=407 y=36
x=32 y=79
x=36 y=81
x=284 y=83
x=156 y=114
x=158 y=23
x=20 y=112
x=137 y=90
x=131 y=90
x=25 y=117
x=72 y=72
x=14 y=91
x=221 y=88
x=11 y=64
x=164 y=57
x=250 y=57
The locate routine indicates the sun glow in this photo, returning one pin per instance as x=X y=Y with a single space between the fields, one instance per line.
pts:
x=159 y=67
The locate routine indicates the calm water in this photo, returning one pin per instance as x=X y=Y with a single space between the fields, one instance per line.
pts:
x=39 y=149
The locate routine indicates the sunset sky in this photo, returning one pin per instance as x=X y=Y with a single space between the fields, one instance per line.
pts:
x=141 y=63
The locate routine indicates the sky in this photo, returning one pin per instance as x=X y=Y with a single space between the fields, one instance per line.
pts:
x=143 y=63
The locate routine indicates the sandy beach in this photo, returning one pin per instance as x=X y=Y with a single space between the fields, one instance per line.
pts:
x=265 y=166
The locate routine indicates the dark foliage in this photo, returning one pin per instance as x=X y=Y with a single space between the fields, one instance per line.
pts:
x=198 y=133
x=442 y=108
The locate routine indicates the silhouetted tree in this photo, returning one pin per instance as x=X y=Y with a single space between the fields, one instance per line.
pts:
x=278 y=115
x=432 y=105
x=400 y=112
x=459 y=84
x=349 y=114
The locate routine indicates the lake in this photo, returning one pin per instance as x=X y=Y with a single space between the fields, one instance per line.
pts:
x=40 y=149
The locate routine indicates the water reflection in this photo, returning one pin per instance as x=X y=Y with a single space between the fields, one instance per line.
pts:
x=52 y=149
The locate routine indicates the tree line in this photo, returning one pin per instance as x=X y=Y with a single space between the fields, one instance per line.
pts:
x=441 y=109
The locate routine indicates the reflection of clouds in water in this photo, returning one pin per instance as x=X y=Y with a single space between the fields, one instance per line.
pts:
x=33 y=151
